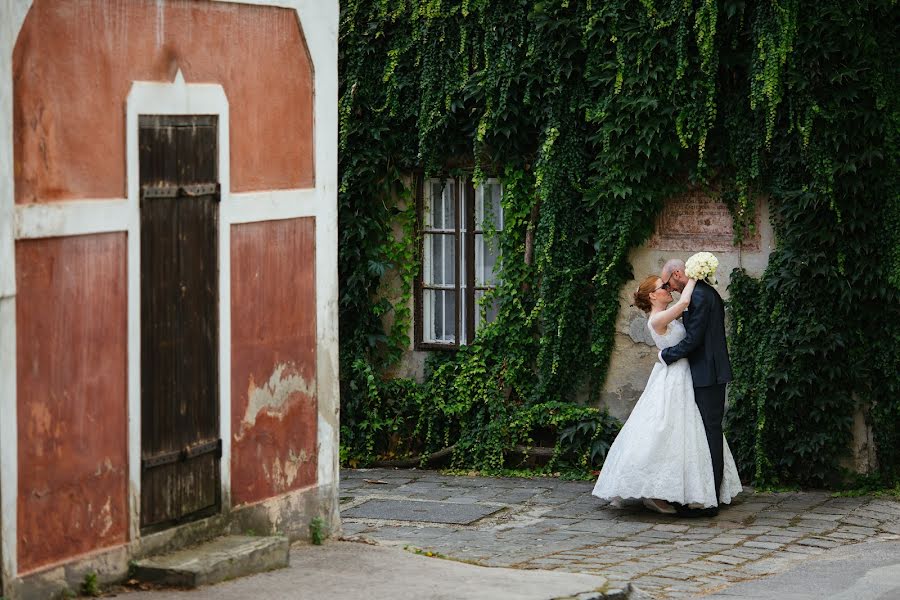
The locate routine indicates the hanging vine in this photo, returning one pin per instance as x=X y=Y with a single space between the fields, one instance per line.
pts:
x=592 y=114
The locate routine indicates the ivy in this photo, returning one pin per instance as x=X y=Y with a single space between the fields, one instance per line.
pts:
x=592 y=114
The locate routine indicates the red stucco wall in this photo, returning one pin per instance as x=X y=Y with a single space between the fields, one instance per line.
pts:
x=71 y=355
x=73 y=65
x=273 y=331
x=75 y=60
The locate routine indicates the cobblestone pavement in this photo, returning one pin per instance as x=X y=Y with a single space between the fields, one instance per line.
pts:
x=546 y=523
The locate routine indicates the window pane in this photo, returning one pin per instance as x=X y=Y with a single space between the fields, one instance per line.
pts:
x=487 y=251
x=449 y=205
x=490 y=310
x=434 y=250
x=435 y=210
x=439 y=312
x=488 y=210
x=439 y=267
x=449 y=243
x=437 y=321
x=449 y=316
x=493 y=206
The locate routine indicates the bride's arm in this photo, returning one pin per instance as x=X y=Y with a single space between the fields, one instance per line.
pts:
x=662 y=319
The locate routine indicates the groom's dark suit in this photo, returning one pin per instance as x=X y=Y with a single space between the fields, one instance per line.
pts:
x=706 y=351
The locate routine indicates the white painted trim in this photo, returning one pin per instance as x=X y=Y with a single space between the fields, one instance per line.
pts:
x=250 y=207
x=9 y=448
x=176 y=98
x=86 y=217
x=12 y=16
x=82 y=217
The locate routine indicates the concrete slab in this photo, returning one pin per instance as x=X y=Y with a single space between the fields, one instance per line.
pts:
x=221 y=559
x=425 y=511
x=355 y=571
x=867 y=571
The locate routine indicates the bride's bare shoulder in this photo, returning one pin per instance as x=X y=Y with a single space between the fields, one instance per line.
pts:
x=657 y=325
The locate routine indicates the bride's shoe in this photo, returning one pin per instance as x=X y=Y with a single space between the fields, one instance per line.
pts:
x=660 y=506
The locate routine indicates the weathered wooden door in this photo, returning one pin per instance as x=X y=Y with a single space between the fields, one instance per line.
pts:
x=180 y=445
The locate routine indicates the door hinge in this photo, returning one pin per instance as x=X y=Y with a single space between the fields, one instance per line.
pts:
x=182 y=455
x=192 y=190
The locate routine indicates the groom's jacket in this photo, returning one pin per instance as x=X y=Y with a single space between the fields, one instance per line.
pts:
x=704 y=343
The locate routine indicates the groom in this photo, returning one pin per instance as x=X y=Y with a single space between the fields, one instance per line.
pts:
x=706 y=351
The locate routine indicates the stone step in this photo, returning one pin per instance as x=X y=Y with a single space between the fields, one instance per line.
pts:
x=223 y=558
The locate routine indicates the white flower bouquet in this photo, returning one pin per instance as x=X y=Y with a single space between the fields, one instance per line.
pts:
x=702 y=266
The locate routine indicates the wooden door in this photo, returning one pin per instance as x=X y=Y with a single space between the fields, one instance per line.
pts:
x=180 y=445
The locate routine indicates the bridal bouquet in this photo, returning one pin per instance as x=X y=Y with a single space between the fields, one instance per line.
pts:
x=702 y=266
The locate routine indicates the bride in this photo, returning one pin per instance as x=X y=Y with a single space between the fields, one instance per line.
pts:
x=661 y=456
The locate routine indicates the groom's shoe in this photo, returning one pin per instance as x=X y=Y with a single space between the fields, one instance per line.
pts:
x=697 y=513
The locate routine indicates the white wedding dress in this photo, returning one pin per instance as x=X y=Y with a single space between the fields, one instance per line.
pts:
x=662 y=451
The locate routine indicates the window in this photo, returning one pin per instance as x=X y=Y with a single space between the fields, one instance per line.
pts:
x=459 y=255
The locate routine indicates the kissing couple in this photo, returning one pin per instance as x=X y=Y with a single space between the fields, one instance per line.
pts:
x=671 y=453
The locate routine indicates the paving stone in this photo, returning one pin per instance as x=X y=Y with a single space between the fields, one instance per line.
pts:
x=891 y=528
x=432 y=512
x=751 y=531
x=860 y=521
x=799 y=549
x=708 y=547
x=775 y=523
x=671 y=527
x=727 y=559
x=871 y=514
x=695 y=535
x=728 y=539
x=814 y=526
x=818 y=543
x=656 y=580
x=778 y=514
x=705 y=566
x=675 y=572
x=628 y=543
x=765 y=566
x=419 y=486
x=777 y=538
x=763 y=545
x=844 y=536
x=820 y=516
x=744 y=552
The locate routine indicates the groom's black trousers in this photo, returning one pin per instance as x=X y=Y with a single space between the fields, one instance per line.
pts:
x=711 y=402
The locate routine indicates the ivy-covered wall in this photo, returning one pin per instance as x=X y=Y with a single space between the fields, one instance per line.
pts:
x=592 y=113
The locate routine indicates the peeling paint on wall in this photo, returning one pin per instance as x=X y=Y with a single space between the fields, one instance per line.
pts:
x=274 y=407
x=274 y=397
x=283 y=474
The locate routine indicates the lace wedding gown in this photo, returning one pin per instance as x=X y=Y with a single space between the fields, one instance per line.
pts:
x=662 y=451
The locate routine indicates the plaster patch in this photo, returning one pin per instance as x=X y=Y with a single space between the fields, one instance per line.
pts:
x=104 y=519
x=325 y=447
x=274 y=398
x=105 y=467
x=283 y=475
x=42 y=421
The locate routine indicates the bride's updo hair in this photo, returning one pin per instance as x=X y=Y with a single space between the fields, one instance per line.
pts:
x=642 y=294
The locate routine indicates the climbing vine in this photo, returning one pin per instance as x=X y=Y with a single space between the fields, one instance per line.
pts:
x=591 y=114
